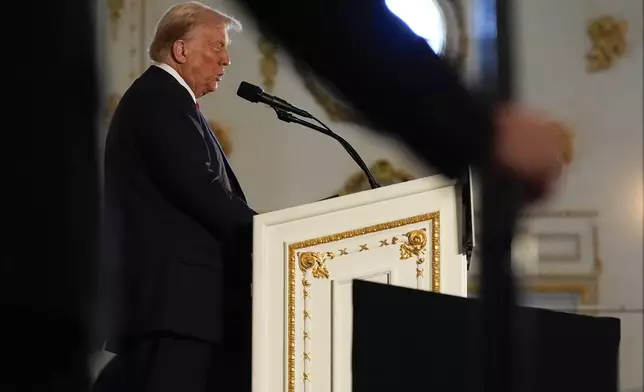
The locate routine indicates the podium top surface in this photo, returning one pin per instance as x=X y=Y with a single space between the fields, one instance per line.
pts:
x=372 y=196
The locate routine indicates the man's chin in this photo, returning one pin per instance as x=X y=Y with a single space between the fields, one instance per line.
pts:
x=211 y=89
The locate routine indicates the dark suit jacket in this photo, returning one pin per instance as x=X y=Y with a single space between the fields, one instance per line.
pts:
x=178 y=229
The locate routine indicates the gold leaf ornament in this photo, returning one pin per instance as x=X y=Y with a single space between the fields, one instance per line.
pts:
x=314 y=261
x=384 y=172
x=268 y=63
x=415 y=245
x=115 y=7
x=222 y=133
x=567 y=141
x=608 y=37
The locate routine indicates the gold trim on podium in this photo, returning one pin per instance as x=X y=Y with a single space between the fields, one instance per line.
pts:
x=313 y=260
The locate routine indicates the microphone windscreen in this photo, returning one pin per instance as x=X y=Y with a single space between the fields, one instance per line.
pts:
x=249 y=92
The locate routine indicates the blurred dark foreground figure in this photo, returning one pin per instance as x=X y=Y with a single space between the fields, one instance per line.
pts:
x=390 y=75
x=48 y=267
x=400 y=86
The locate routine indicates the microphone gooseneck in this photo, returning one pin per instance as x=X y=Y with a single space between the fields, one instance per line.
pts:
x=288 y=117
x=255 y=94
x=285 y=112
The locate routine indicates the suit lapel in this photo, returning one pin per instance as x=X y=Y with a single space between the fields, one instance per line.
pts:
x=184 y=96
x=229 y=170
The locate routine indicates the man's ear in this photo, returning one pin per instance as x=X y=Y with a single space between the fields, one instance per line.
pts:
x=179 y=51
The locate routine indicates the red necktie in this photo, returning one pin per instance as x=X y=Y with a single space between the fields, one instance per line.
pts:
x=198 y=108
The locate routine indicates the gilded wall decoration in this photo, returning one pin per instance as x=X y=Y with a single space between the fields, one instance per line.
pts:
x=124 y=46
x=268 y=63
x=412 y=244
x=115 y=8
x=567 y=141
x=383 y=171
x=135 y=41
x=608 y=36
x=222 y=133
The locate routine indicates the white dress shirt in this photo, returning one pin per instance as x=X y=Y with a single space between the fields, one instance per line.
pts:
x=176 y=75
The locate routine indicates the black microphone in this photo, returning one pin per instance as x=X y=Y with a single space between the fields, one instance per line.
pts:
x=282 y=108
x=255 y=94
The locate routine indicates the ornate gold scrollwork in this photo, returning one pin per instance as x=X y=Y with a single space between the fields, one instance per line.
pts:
x=268 y=63
x=383 y=171
x=115 y=7
x=608 y=37
x=222 y=133
x=415 y=245
x=315 y=261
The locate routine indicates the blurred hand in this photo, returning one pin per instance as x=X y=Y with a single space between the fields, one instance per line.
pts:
x=532 y=148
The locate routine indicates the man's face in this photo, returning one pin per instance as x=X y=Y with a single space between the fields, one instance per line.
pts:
x=206 y=58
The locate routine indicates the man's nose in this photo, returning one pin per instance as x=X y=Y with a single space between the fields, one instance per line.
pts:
x=225 y=61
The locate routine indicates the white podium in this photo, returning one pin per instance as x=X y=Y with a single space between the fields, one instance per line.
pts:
x=306 y=257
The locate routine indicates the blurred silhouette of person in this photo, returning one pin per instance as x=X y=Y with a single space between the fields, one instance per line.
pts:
x=391 y=76
x=50 y=257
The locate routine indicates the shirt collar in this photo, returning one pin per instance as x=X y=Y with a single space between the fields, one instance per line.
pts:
x=176 y=75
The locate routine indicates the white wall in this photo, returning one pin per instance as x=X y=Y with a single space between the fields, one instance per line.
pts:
x=605 y=110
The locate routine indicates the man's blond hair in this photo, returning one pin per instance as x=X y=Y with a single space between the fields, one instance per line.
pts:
x=179 y=21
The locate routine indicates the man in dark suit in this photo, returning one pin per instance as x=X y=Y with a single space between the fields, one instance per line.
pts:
x=179 y=231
